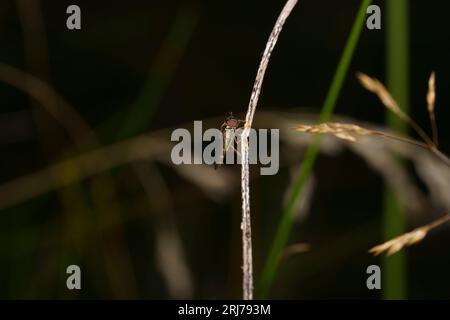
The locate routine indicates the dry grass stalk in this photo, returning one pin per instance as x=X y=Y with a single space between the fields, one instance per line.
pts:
x=88 y=164
x=84 y=138
x=247 y=267
x=342 y=131
x=295 y=249
x=431 y=100
x=50 y=100
x=431 y=95
x=376 y=87
x=347 y=131
x=170 y=256
x=407 y=239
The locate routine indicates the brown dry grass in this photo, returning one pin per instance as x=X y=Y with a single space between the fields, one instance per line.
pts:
x=376 y=87
x=350 y=132
x=394 y=245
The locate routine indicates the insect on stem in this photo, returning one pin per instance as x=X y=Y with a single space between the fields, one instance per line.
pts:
x=228 y=129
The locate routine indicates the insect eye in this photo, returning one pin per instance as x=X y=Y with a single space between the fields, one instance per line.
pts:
x=232 y=122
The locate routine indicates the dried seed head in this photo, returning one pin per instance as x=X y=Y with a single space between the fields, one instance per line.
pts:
x=339 y=130
x=431 y=95
x=376 y=87
x=396 y=244
x=407 y=239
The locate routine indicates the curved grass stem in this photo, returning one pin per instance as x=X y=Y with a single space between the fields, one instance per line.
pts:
x=284 y=228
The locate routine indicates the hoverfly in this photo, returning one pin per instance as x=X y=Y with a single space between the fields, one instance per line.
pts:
x=228 y=129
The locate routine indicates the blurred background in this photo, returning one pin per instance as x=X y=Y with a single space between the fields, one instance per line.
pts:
x=85 y=171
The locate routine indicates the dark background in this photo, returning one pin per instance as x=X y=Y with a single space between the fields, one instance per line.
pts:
x=121 y=53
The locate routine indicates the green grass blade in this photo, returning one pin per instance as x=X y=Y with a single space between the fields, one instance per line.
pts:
x=284 y=228
x=397 y=70
x=161 y=74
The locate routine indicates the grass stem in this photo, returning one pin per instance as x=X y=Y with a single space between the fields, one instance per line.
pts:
x=284 y=228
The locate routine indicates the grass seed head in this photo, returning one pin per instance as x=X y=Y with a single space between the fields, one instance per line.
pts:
x=431 y=95
x=342 y=131
x=376 y=87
